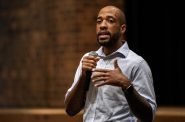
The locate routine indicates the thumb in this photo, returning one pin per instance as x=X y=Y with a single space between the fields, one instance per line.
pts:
x=116 y=64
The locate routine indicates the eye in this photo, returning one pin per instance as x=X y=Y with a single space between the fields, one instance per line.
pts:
x=111 y=20
x=98 y=21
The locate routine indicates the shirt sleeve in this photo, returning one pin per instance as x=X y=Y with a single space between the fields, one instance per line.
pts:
x=76 y=77
x=143 y=83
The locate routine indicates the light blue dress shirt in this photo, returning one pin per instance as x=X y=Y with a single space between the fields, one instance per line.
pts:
x=108 y=103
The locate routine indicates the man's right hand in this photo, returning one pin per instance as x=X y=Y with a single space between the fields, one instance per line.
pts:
x=88 y=63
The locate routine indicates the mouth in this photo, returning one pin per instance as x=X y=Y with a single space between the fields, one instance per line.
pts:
x=102 y=35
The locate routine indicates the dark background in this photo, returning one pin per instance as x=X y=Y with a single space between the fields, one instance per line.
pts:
x=42 y=41
x=155 y=30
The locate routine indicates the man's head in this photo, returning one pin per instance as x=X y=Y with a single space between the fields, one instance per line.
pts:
x=111 y=26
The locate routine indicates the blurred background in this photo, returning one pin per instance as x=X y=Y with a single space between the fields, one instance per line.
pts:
x=42 y=41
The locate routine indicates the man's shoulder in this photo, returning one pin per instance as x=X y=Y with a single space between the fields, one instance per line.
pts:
x=134 y=57
x=137 y=61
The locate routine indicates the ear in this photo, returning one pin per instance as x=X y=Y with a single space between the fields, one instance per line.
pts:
x=123 y=28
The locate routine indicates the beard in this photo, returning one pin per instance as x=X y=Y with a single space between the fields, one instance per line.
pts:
x=108 y=42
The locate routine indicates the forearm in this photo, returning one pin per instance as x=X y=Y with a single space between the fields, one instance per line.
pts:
x=75 y=100
x=138 y=105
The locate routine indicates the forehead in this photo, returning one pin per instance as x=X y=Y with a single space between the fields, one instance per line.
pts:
x=109 y=11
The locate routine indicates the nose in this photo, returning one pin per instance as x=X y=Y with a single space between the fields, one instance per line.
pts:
x=103 y=25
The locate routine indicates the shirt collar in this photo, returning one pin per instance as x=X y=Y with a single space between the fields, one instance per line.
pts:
x=121 y=52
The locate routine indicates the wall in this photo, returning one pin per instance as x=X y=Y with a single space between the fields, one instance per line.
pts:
x=41 y=43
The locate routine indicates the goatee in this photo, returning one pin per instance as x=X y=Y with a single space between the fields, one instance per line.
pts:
x=110 y=41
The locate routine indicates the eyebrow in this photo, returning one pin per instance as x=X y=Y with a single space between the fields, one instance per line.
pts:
x=99 y=17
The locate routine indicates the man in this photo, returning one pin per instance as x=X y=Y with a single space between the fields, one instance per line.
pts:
x=121 y=85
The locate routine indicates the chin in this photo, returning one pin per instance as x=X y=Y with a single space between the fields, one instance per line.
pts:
x=105 y=41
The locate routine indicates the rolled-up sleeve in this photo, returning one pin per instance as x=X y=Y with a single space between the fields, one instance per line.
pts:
x=77 y=76
x=143 y=83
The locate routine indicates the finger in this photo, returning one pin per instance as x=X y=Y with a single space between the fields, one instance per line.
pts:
x=98 y=74
x=116 y=64
x=89 y=61
x=88 y=66
x=97 y=80
x=98 y=84
x=101 y=70
x=97 y=59
x=91 y=58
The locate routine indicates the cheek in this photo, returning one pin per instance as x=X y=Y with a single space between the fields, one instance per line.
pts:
x=114 y=29
x=97 y=29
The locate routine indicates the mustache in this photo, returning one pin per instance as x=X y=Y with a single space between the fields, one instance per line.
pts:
x=104 y=33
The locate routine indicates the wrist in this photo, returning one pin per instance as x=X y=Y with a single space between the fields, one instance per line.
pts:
x=128 y=88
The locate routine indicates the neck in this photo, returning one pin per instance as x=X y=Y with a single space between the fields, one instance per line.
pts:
x=113 y=48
